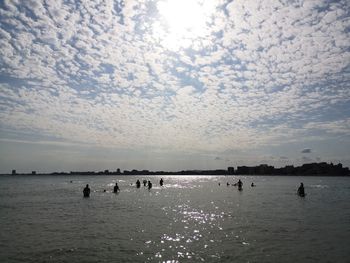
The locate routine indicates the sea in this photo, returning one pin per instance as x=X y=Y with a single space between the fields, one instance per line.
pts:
x=189 y=219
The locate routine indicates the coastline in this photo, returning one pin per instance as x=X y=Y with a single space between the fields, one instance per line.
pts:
x=308 y=169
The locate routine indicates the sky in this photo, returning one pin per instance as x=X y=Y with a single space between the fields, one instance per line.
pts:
x=172 y=85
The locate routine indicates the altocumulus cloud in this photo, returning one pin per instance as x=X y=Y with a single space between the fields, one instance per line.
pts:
x=259 y=74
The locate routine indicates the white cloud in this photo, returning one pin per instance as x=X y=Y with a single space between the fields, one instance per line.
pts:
x=262 y=74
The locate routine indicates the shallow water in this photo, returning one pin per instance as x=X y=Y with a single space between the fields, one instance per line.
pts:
x=190 y=219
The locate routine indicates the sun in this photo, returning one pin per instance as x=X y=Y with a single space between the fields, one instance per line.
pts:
x=183 y=16
x=182 y=22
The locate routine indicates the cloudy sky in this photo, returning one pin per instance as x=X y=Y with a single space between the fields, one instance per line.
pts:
x=169 y=85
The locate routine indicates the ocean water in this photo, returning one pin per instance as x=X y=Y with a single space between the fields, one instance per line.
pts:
x=190 y=219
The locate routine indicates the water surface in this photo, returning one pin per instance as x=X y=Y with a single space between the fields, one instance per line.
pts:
x=190 y=219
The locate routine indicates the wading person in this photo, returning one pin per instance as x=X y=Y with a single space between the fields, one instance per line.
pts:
x=301 y=190
x=116 y=188
x=86 y=191
x=240 y=185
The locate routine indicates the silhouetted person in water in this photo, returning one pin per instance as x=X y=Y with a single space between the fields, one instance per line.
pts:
x=138 y=184
x=227 y=183
x=86 y=191
x=161 y=182
x=301 y=190
x=149 y=185
x=252 y=185
x=240 y=185
x=144 y=182
x=116 y=188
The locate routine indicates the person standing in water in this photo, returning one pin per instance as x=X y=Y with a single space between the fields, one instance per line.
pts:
x=161 y=182
x=86 y=191
x=240 y=185
x=116 y=188
x=149 y=185
x=138 y=183
x=301 y=190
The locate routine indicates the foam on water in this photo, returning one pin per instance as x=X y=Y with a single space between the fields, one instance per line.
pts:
x=190 y=219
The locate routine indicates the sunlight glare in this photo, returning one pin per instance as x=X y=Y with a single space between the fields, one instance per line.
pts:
x=184 y=21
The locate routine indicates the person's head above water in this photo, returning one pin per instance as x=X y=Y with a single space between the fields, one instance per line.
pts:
x=87 y=186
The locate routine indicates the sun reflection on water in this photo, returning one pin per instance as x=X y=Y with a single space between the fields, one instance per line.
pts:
x=190 y=230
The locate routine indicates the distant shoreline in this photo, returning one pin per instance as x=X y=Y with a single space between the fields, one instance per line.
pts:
x=309 y=169
x=173 y=174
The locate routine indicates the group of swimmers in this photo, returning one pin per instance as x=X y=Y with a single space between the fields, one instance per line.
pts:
x=148 y=183
x=300 y=192
x=116 y=189
x=239 y=184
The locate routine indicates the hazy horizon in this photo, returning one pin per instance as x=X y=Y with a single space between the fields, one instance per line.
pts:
x=172 y=85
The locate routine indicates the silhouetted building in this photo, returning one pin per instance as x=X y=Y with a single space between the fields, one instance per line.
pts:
x=14 y=172
x=265 y=169
x=261 y=169
x=306 y=169
x=33 y=172
x=242 y=170
x=230 y=170
x=322 y=169
x=289 y=169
